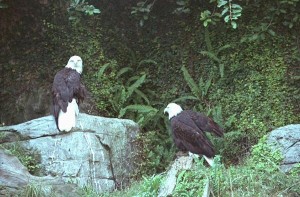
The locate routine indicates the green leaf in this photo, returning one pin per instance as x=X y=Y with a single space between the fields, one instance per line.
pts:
x=142 y=95
x=205 y=23
x=147 y=61
x=135 y=85
x=206 y=87
x=226 y=46
x=224 y=11
x=236 y=6
x=226 y=18
x=102 y=69
x=184 y=98
x=222 y=3
x=146 y=112
x=233 y=24
x=190 y=81
x=211 y=55
x=181 y=3
x=97 y=11
x=271 y=32
x=123 y=70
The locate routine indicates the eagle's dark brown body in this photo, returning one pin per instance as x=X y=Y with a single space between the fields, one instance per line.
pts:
x=66 y=87
x=188 y=129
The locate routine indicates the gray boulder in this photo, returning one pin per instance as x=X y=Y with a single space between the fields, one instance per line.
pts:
x=287 y=140
x=99 y=153
x=169 y=184
x=15 y=178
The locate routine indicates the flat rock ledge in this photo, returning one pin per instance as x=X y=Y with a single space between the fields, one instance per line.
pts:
x=100 y=153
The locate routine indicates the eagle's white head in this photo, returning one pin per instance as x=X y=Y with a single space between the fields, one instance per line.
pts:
x=173 y=109
x=75 y=62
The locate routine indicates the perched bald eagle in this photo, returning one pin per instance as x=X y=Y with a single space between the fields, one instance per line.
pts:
x=67 y=93
x=188 y=129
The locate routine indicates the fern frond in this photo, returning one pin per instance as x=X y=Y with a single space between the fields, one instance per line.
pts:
x=148 y=61
x=191 y=83
x=135 y=85
x=207 y=40
x=226 y=46
x=142 y=95
x=102 y=69
x=123 y=71
x=206 y=87
x=217 y=114
x=122 y=98
x=184 y=98
x=144 y=109
x=131 y=79
x=211 y=55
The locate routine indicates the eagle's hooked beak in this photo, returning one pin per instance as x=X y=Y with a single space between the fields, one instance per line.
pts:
x=165 y=110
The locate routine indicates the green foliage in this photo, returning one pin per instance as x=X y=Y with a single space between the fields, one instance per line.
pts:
x=150 y=186
x=81 y=6
x=199 y=90
x=186 y=184
x=88 y=191
x=284 y=12
x=28 y=157
x=255 y=96
x=142 y=11
x=241 y=180
x=213 y=54
x=124 y=94
x=231 y=12
x=102 y=84
x=183 y=7
x=145 y=113
x=276 y=14
x=262 y=31
x=34 y=190
x=236 y=180
x=264 y=158
x=245 y=181
x=209 y=18
x=3 y=5
x=156 y=152
x=295 y=171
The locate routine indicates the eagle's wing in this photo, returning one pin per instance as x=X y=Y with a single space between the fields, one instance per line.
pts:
x=75 y=87
x=187 y=134
x=205 y=123
x=60 y=93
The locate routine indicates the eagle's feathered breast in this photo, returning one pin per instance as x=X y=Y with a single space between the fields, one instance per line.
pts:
x=189 y=128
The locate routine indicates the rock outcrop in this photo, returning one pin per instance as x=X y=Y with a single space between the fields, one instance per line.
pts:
x=287 y=140
x=14 y=177
x=99 y=153
x=169 y=184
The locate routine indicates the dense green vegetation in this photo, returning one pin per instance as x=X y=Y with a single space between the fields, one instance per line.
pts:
x=242 y=72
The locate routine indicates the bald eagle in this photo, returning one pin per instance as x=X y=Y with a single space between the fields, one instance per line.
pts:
x=67 y=93
x=188 y=130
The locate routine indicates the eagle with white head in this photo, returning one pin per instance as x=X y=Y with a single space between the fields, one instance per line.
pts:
x=188 y=129
x=67 y=93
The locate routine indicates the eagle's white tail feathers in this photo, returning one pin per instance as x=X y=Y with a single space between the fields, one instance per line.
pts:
x=210 y=161
x=66 y=121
